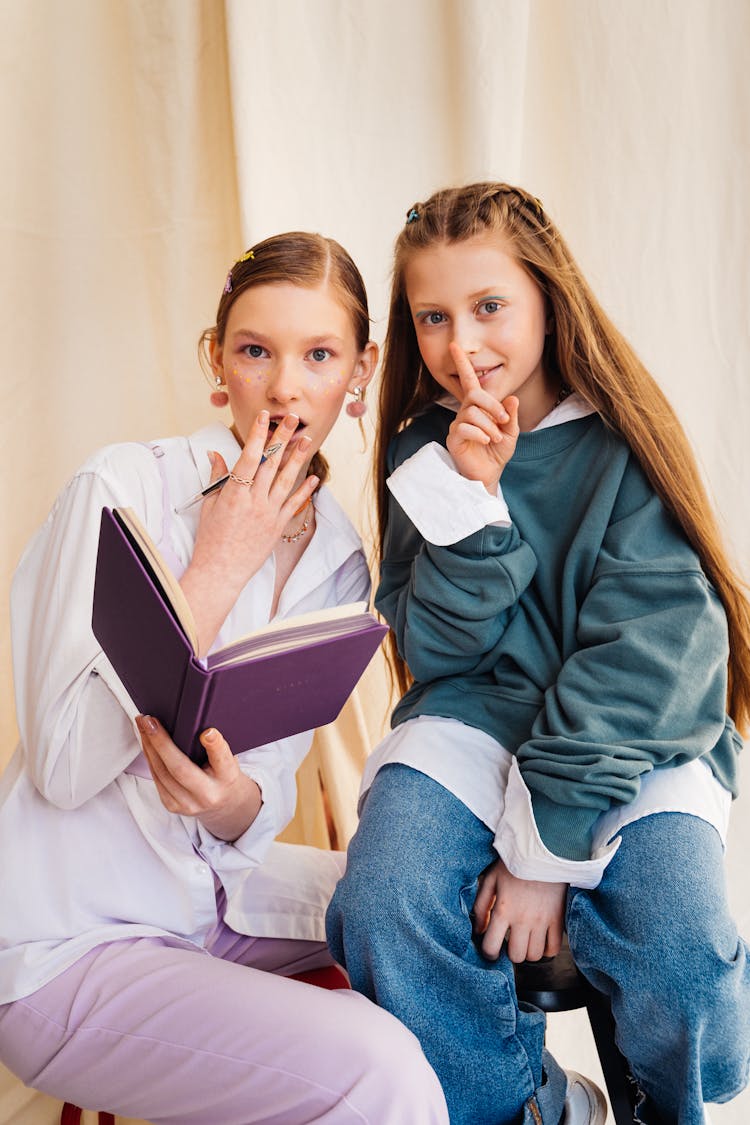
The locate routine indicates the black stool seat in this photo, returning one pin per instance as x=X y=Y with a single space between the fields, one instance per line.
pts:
x=556 y=985
x=553 y=984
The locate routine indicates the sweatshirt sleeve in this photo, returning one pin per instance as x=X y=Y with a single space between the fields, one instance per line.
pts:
x=644 y=688
x=448 y=605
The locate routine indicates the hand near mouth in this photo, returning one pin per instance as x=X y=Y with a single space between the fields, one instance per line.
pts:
x=241 y=525
x=482 y=438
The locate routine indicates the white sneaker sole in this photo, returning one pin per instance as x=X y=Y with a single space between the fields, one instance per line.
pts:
x=585 y=1104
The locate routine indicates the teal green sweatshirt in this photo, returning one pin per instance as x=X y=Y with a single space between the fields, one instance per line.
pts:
x=585 y=638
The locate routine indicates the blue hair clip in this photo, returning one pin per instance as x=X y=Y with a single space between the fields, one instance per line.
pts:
x=412 y=216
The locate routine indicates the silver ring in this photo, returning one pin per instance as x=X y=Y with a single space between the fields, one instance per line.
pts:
x=240 y=480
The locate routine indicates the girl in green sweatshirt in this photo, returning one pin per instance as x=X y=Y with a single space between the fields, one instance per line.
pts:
x=573 y=650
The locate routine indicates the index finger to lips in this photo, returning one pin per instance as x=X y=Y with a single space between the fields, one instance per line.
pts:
x=466 y=373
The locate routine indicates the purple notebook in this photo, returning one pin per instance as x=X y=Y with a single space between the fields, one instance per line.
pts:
x=252 y=702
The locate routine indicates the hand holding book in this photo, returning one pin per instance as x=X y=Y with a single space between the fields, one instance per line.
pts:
x=221 y=796
x=291 y=676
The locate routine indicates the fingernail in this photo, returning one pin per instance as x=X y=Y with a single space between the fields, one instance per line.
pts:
x=145 y=724
x=263 y=417
x=210 y=735
x=211 y=458
x=291 y=421
x=304 y=444
x=314 y=481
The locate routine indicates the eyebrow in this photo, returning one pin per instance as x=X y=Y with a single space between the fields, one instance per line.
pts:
x=474 y=298
x=258 y=337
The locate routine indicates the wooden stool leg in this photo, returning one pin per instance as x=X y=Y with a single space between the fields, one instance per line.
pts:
x=621 y=1087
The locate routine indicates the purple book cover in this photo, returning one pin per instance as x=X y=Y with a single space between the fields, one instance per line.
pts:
x=251 y=703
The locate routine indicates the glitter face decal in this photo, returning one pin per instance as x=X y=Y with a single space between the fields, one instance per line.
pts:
x=257 y=377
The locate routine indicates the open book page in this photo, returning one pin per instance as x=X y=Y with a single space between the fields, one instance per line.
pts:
x=286 y=633
x=166 y=579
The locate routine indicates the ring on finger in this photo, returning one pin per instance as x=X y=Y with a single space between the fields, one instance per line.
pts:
x=241 y=480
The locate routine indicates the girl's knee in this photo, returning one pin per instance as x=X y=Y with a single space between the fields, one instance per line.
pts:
x=380 y=886
x=364 y=905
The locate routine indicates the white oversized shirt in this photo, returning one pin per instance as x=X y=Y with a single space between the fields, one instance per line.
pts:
x=89 y=852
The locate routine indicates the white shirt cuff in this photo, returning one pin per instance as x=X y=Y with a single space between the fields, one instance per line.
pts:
x=444 y=506
x=523 y=852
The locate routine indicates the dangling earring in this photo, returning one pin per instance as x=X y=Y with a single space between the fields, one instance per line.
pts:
x=357 y=408
x=219 y=398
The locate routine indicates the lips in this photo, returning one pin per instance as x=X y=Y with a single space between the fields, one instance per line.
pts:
x=482 y=373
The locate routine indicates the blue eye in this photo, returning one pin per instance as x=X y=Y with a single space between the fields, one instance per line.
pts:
x=432 y=318
x=489 y=306
x=320 y=355
x=255 y=351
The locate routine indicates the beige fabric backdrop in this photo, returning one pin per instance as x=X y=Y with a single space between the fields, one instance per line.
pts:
x=146 y=142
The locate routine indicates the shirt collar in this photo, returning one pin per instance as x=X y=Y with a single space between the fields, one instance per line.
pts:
x=216 y=437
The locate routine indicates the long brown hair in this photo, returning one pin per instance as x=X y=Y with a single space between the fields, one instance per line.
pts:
x=584 y=350
x=299 y=258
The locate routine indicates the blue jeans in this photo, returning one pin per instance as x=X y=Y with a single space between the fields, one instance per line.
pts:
x=655 y=935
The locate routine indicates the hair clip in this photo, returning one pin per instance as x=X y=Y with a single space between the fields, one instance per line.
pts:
x=245 y=257
x=412 y=216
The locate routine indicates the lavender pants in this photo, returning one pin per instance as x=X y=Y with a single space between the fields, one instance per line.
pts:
x=149 y=1030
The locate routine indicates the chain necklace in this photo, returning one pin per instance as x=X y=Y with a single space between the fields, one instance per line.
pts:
x=297 y=535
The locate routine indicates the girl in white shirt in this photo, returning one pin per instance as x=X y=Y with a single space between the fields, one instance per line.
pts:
x=131 y=875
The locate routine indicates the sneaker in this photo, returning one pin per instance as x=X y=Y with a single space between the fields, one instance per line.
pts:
x=585 y=1104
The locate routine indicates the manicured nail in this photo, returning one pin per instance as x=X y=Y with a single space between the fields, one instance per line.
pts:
x=145 y=724
x=210 y=735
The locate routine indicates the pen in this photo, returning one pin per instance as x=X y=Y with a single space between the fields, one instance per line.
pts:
x=217 y=484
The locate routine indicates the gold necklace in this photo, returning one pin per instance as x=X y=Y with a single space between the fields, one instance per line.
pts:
x=296 y=535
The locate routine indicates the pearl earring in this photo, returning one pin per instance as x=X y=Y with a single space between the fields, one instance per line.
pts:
x=357 y=408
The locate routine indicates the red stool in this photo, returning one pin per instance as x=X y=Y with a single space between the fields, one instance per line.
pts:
x=71 y=1115
x=331 y=977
